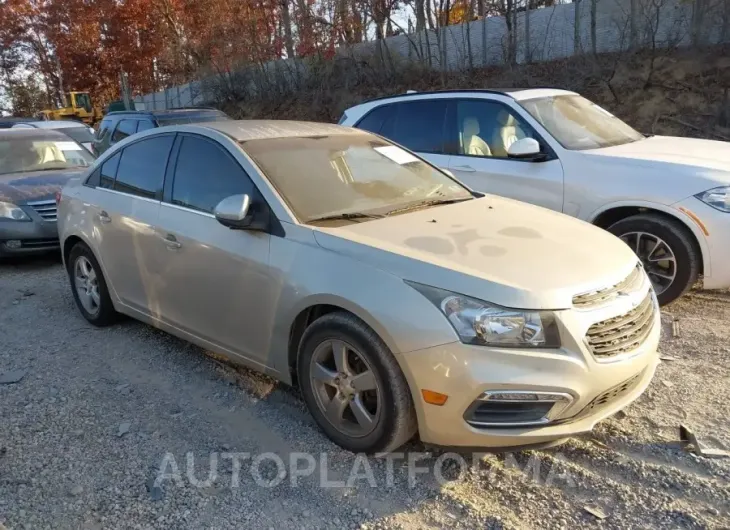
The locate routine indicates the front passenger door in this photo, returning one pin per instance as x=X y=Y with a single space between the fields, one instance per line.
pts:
x=213 y=282
x=486 y=130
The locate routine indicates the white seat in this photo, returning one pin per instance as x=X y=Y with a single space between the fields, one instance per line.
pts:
x=473 y=144
x=507 y=133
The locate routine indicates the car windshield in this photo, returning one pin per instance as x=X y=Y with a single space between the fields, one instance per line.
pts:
x=331 y=175
x=18 y=155
x=580 y=124
x=79 y=134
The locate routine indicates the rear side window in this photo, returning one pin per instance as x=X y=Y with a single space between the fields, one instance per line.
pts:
x=375 y=119
x=144 y=125
x=109 y=172
x=142 y=167
x=419 y=125
x=124 y=129
x=205 y=174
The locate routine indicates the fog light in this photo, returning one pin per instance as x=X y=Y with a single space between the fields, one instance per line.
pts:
x=13 y=244
x=516 y=408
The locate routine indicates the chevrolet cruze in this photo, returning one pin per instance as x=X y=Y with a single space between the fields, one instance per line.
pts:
x=398 y=300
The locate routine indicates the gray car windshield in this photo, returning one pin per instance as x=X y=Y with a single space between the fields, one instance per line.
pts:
x=330 y=175
x=79 y=134
x=23 y=154
x=579 y=124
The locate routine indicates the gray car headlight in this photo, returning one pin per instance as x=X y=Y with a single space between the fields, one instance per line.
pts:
x=718 y=198
x=10 y=211
x=481 y=323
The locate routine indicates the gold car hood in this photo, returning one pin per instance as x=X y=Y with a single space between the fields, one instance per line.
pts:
x=496 y=249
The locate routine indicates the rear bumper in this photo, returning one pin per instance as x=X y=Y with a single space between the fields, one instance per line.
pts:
x=716 y=234
x=465 y=373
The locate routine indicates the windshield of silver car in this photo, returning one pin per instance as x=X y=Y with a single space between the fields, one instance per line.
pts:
x=580 y=124
x=349 y=175
x=23 y=154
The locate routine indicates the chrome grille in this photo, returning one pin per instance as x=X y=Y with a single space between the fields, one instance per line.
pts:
x=593 y=298
x=46 y=209
x=623 y=333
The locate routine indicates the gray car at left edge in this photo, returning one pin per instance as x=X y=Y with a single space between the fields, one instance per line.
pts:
x=34 y=165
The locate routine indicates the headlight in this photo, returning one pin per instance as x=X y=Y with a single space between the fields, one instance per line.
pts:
x=718 y=198
x=484 y=324
x=10 y=211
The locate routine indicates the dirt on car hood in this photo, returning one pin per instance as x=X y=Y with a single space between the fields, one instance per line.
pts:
x=33 y=185
x=504 y=251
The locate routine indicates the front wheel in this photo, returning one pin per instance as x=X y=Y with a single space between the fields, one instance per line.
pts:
x=667 y=250
x=353 y=385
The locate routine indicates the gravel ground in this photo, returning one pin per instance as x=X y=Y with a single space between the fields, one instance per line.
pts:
x=85 y=433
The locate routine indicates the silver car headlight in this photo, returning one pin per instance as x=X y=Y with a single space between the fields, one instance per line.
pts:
x=718 y=198
x=481 y=323
x=10 y=211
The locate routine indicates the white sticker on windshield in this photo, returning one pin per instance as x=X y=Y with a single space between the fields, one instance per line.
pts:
x=396 y=154
x=604 y=111
x=68 y=146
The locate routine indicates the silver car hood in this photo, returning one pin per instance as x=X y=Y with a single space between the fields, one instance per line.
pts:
x=496 y=249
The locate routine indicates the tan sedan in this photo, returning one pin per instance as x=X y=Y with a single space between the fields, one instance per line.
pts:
x=396 y=298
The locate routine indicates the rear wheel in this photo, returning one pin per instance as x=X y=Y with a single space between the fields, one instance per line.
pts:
x=89 y=287
x=353 y=385
x=667 y=250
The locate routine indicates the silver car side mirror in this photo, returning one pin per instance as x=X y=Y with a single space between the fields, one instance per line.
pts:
x=526 y=149
x=233 y=211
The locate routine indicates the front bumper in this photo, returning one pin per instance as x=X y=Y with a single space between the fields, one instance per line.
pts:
x=465 y=373
x=36 y=236
x=714 y=235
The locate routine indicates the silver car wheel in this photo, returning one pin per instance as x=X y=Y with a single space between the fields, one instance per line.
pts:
x=657 y=257
x=87 y=285
x=345 y=388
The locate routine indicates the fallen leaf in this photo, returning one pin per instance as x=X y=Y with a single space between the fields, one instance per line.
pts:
x=595 y=512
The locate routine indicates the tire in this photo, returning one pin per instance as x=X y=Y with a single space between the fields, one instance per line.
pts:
x=677 y=237
x=395 y=421
x=104 y=315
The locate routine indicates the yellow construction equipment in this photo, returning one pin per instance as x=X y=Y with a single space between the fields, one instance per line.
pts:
x=80 y=108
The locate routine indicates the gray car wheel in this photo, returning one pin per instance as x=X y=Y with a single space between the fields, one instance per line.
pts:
x=89 y=287
x=353 y=385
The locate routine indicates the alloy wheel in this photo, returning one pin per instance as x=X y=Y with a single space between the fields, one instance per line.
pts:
x=656 y=256
x=87 y=285
x=345 y=388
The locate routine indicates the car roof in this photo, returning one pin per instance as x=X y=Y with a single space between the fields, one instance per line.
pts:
x=243 y=130
x=33 y=134
x=518 y=94
x=167 y=113
x=54 y=124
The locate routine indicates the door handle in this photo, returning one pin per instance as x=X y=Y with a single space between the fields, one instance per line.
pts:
x=465 y=169
x=104 y=217
x=172 y=242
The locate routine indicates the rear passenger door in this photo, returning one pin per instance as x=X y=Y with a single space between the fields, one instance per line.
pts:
x=130 y=188
x=418 y=125
x=213 y=282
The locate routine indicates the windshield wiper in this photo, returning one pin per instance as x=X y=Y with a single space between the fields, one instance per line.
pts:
x=348 y=216
x=426 y=203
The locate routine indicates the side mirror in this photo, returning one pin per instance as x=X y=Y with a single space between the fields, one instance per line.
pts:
x=238 y=212
x=526 y=149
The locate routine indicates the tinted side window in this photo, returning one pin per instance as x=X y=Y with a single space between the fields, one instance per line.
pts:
x=124 y=129
x=103 y=128
x=374 y=120
x=142 y=167
x=144 y=125
x=205 y=175
x=419 y=125
x=109 y=172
